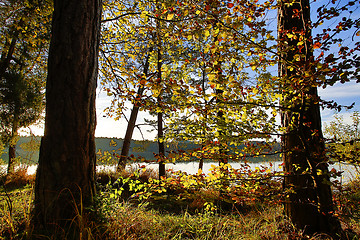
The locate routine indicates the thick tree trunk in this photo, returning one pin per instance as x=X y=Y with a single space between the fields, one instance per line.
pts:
x=309 y=203
x=65 y=176
x=131 y=124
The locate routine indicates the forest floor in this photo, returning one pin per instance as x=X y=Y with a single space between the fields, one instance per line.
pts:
x=122 y=219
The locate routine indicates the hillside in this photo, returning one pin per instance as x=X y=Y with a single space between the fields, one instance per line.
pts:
x=28 y=148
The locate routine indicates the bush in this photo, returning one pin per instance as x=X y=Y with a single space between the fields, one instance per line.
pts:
x=18 y=179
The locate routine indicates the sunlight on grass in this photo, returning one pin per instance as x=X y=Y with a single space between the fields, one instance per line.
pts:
x=119 y=218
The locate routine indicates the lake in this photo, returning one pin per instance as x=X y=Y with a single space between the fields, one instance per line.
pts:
x=349 y=171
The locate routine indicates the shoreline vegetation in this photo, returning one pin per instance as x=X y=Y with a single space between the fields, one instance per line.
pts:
x=192 y=204
x=135 y=204
x=173 y=209
x=27 y=149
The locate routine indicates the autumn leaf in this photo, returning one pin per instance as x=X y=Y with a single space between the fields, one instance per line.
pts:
x=230 y=5
x=207 y=33
x=317 y=45
x=170 y=16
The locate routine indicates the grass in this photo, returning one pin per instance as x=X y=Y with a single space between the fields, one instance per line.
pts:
x=15 y=204
x=121 y=218
x=138 y=223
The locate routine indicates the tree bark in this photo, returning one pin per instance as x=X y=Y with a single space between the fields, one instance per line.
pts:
x=309 y=204
x=65 y=177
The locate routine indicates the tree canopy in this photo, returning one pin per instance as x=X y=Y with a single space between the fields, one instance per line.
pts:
x=25 y=31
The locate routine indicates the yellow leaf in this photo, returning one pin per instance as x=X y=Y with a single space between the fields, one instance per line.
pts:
x=211 y=77
x=207 y=33
x=170 y=16
x=289 y=35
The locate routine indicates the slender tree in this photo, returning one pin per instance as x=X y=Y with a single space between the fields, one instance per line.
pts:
x=132 y=122
x=65 y=176
x=309 y=204
x=22 y=103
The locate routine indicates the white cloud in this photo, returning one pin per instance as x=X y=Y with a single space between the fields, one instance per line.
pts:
x=343 y=94
x=339 y=91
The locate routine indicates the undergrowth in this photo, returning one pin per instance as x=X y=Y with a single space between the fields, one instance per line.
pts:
x=136 y=205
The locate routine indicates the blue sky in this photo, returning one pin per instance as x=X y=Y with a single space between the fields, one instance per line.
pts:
x=343 y=94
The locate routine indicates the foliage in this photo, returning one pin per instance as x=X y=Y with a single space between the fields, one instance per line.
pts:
x=344 y=145
x=22 y=104
x=224 y=188
x=15 y=213
x=17 y=180
x=27 y=149
x=217 y=59
x=347 y=202
x=25 y=28
x=2 y=149
x=193 y=41
x=124 y=220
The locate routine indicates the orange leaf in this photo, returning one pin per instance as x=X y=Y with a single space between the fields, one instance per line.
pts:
x=230 y=5
x=317 y=45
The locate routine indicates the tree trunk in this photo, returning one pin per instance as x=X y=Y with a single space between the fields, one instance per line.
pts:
x=309 y=204
x=160 y=136
x=12 y=163
x=65 y=176
x=128 y=135
x=161 y=145
x=217 y=69
x=12 y=143
x=201 y=163
x=131 y=124
x=6 y=57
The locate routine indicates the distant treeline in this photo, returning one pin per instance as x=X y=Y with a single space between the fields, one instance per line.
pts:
x=27 y=148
